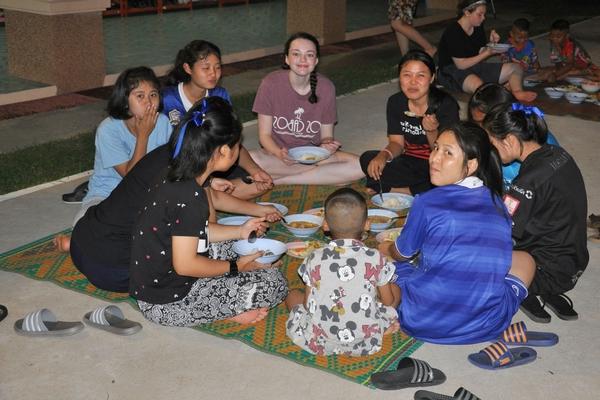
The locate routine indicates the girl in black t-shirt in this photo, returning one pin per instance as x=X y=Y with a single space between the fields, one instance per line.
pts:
x=173 y=280
x=548 y=205
x=414 y=118
x=462 y=51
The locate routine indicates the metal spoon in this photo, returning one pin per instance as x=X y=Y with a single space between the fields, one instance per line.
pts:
x=247 y=180
x=380 y=190
x=252 y=237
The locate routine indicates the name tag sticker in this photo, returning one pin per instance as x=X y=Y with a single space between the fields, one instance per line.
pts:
x=511 y=204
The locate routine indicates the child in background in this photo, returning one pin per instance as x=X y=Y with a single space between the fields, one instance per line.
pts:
x=523 y=50
x=196 y=75
x=567 y=55
x=134 y=127
x=347 y=305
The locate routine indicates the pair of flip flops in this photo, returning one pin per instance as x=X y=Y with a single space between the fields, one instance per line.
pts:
x=409 y=373
x=499 y=356
x=460 y=394
x=44 y=323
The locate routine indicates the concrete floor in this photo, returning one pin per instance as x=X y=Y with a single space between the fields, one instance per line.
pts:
x=161 y=362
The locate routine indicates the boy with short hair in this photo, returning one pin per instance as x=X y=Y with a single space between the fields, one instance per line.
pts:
x=522 y=49
x=348 y=304
x=567 y=55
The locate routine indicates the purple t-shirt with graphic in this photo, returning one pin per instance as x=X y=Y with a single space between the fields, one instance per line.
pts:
x=296 y=122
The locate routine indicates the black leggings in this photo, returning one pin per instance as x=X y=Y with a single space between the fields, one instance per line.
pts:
x=402 y=171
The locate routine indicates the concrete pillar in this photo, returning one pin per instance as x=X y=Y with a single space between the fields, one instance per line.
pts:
x=58 y=42
x=323 y=18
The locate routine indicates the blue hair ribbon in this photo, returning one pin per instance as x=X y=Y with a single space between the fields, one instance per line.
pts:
x=197 y=118
x=528 y=110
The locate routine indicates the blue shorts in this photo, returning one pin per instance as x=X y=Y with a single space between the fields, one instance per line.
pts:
x=518 y=291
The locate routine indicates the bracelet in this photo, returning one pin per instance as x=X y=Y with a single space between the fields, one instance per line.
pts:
x=233 y=268
x=389 y=160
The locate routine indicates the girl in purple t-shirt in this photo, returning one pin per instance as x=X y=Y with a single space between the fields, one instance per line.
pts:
x=296 y=107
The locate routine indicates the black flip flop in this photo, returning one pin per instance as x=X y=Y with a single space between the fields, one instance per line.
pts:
x=461 y=394
x=409 y=373
x=3 y=312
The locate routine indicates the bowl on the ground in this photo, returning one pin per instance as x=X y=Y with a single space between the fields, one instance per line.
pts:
x=574 y=80
x=273 y=249
x=381 y=219
x=280 y=207
x=308 y=154
x=575 y=97
x=236 y=220
x=553 y=93
x=302 y=225
x=398 y=202
x=590 y=86
x=389 y=235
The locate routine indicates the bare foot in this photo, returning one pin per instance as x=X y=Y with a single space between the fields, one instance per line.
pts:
x=393 y=328
x=62 y=243
x=251 y=316
x=525 y=95
x=431 y=51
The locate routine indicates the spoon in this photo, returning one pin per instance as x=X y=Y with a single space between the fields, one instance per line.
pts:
x=247 y=180
x=380 y=190
x=252 y=237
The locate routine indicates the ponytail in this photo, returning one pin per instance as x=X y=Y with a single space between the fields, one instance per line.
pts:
x=526 y=123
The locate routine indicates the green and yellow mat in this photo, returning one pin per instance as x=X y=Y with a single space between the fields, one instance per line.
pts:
x=39 y=260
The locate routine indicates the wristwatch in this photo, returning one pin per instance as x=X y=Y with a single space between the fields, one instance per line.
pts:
x=233 y=268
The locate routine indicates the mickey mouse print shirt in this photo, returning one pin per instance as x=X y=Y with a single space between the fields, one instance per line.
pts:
x=342 y=314
x=170 y=209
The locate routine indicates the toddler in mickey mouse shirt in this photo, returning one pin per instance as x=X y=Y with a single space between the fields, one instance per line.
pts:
x=346 y=307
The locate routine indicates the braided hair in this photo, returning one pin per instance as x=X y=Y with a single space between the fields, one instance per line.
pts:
x=313 y=75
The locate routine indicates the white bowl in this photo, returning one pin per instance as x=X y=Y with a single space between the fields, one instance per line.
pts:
x=379 y=212
x=308 y=154
x=590 y=87
x=553 y=93
x=277 y=248
x=303 y=232
x=574 y=80
x=280 y=207
x=237 y=220
x=499 y=47
x=575 y=97
x=393 y=201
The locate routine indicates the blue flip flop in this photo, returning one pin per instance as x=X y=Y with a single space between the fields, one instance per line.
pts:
x=498 y=356
x=517 y=334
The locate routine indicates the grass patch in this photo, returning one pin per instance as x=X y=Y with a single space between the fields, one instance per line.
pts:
x=46 y=162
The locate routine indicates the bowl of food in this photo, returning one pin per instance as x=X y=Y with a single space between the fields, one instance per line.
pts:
x=280 y=207
x=554 y=93
x=575 y=97
x=499 y=47
x=302 y=225
x=574 y=80
x=381 y=219
x=398 y=202
x=303 y=249
x=236 y=220
x=273 y=249
x=318 y=211
x=308 y=154
x=389 y=235
x=590 y=86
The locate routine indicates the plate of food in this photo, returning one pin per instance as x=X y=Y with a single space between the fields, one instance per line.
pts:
x=499 y=47
x=389 y=235
x=393 y=201
x=308 y=154
x=303 y=249
x=318 y=211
